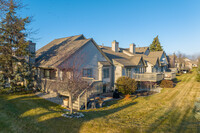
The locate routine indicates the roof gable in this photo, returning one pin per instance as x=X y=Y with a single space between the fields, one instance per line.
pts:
x=141 y=50
x=59 y=49
x=156 y=54
x=152 y=60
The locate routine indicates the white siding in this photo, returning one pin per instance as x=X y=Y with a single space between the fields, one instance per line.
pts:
x=149 y=68
x=106 y=80
x=118 y=72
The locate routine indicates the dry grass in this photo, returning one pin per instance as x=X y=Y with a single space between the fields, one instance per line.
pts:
x=169 y=111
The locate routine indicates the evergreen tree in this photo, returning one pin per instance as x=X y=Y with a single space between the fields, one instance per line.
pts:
x=13 y=45
x=3 y=7
x=156 y=46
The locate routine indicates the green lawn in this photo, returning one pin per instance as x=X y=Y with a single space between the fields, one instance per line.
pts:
x=172 y=110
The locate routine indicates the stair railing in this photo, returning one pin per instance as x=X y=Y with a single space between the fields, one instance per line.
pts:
x=87 y=93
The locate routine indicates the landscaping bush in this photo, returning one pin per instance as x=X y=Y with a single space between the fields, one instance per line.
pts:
x=167 y=84
x=126 y=85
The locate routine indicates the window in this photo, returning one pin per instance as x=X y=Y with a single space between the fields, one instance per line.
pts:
x=87 y=72
x=136 y=70
x=140 y=70
x=50 y=74
x=154 y=70
x=106 y=73
x=46 y=73
x=128 y=72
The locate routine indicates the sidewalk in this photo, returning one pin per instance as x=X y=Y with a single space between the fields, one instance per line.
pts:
x=53 y=97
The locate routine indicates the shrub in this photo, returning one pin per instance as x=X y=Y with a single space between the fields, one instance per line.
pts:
x=167 y=84
x=126 y=85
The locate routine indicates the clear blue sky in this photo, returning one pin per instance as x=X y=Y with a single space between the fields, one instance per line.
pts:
x=177 y=22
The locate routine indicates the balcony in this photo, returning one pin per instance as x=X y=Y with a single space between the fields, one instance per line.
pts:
x=169 y=75
x=153 y=77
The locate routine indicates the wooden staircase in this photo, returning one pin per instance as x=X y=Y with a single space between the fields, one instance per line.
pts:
x=84 y=96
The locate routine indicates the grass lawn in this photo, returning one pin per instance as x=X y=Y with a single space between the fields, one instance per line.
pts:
x=172 y=110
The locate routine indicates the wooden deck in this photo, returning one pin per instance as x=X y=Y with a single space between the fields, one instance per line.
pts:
x=153 y=77
x=169 y=75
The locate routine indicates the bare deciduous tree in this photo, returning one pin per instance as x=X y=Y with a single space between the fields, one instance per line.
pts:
x=72 y=81
x=181 y=62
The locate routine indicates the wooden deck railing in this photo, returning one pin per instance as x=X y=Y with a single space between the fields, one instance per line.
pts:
x=169 y=75
x=153 y=77
x=96 y=87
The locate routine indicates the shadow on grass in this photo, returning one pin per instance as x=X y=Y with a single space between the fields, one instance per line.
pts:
x=34 y=114
x=74 y=125
x=91 y=114
x=175 y=121
x=176 y=80
x=21 y=113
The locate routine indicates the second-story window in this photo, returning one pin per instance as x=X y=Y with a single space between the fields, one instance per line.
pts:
x=106 y=73
x=47 y=74
x=128 y=72
x=87 y=72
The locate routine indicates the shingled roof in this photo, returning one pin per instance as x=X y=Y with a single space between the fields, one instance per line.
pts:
x=121 y=58
x=139 y=50
x=156 y=54
x=55 y=52
x=152 y=60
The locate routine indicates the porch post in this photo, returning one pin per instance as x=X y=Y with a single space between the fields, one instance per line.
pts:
x=150 y=85
x=78 y=102
x=86 y=100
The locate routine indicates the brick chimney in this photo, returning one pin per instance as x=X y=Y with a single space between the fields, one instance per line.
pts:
x=132 y=48
x=32 y=50
x=115 y=46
